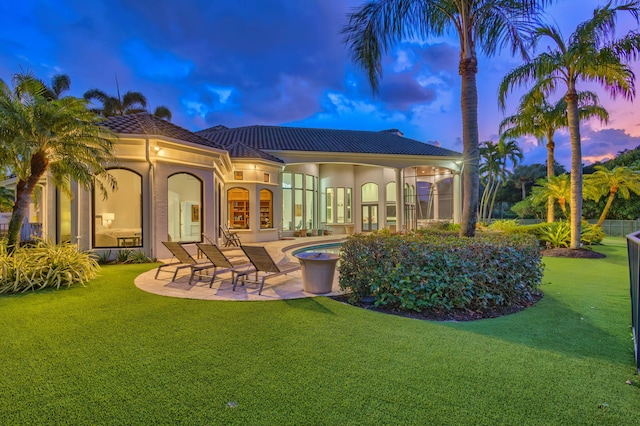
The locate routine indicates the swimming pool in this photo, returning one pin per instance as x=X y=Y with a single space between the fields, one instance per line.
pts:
x=320 y=248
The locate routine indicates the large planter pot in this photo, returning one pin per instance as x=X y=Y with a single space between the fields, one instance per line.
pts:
x=318 y=270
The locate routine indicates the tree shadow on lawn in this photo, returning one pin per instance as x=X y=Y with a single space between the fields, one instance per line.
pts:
x=552 y=325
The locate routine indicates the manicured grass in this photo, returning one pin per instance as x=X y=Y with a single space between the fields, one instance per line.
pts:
x=109 y=353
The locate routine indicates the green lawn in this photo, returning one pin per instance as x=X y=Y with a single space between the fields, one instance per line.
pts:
x=109 y=353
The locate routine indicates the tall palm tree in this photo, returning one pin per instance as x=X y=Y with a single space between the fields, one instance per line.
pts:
x=591 y=54
x=487 y=25
x=130 y=103
x=508 y=152
x=60 y=137
x=538 y=118
x=555 y=188
x=489 y=170
x=620 y=181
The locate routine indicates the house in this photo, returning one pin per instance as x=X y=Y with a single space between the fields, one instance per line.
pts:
x=263 y=182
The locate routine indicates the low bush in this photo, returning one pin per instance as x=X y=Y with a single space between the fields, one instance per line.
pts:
x=504 y=225
x=558 y=234
x=44 y=264
x=419 y=271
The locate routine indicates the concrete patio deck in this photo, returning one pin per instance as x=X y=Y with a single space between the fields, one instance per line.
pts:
x=282 y=287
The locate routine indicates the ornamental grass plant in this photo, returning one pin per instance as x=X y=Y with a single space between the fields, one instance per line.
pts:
x=42 y=264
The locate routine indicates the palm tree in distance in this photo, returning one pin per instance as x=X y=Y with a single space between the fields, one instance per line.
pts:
x=40 y=135
x=538 y=118
x=620 y=181
x=130 y=103
x=591 y=54
x=60 y=83
x=488 y=25
x=555 y=188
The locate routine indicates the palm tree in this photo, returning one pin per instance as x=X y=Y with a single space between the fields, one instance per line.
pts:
x=527 y=174
x=60 y=137
x=591 y=54
x=489 y=174
x=537 y=117
x=555 y=188
x=130 y=103
x=488 y=25
x=59 y=83
x=620 y=181
x=508 y=152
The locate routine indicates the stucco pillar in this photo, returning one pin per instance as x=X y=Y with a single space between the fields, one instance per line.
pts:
x=399 y=200
x=457 y=198
x=436 y=201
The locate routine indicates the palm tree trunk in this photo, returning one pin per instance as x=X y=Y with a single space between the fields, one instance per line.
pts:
x=24 y=194
x=551 y=161
x=607 y=206
x=468 y=69
x=523 y=187
x=496 y=186
x=485 y=197
x=576 y=167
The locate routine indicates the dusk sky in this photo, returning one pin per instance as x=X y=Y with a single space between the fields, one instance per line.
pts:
x=278 y=62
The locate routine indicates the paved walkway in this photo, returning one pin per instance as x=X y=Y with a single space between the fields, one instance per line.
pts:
x=282 y=287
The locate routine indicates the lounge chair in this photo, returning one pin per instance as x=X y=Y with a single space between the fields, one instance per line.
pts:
x=219 y=260
x=230 y=238
x=184 y=260
x=263 y=262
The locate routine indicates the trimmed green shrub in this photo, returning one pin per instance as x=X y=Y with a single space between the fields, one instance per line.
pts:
x=504 y=225
x=43 y=264
x=419 y=271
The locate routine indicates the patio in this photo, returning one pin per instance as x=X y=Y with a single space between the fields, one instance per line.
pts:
x=282 y=287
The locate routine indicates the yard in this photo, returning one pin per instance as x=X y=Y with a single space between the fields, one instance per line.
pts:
x=109 y=353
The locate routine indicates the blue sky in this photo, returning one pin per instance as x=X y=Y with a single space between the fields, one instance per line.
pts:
x=277 y=62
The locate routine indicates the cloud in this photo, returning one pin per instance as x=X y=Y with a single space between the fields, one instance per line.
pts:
x=155 y=64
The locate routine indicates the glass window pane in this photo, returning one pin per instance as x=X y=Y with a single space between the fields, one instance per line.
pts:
x=339 y=205
x=266 y=209
x=287 y=208
x=286 y=180
x=329 y=205
x=370 y=193
x=298 y=182
x=309 y=182
x=310 y=204
x=184 y=203
x=349 y=217
x=298 y=215
x=238 y=199
x=64 y=218
x=118 y=219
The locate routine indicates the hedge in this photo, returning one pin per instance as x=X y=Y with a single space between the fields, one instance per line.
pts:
x=419 y=271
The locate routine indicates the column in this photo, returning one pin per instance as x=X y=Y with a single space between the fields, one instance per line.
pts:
x=399 y=200
x=457 y=198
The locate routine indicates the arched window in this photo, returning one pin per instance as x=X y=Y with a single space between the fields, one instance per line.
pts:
x=369 y=193
x=118 y=218
x=391 y=203
x=184 y=204
x=238 y=199
x=266 y=209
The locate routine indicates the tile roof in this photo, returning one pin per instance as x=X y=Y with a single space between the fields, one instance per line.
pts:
x=305 y=139
x=144 y=123
x=241 y=150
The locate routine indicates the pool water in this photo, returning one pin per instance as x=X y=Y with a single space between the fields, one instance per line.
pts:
x=322 y=248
